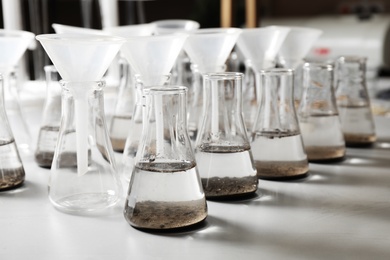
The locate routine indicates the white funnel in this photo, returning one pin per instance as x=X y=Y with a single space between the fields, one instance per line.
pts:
x=13 y=44
x=61 y=29
x=132 y=30
x=296 y=45
x=210 y=48
x=174 y=26
x=153 y=56
x=261 y=45
x=81 y=58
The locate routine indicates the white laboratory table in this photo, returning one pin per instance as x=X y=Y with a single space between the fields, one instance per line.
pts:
x=340 y=211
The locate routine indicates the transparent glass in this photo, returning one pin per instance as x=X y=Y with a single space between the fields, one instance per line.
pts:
x=124 y=108
x=276 y=142
x=73 y=188
x=51 y=119
x=136 y=126
x=318 y=115
x=165 y=190
x=353 y=101
x=223 y=151
x=12 y=171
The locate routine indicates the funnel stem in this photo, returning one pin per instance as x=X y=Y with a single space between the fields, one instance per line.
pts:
x=159 y=125
x=81 y=107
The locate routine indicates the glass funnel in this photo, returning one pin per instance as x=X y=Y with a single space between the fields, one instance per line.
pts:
x=165 y=190
x=81 y=61
x=208 y=50
x=276 y=139
x=152 y=58
x=12 y=171
x=181 y=72
x=318 y=115
x=13 y=44
x=353 y=101
x=125 y=102
x=295 y=47
x=222 y=150
x=259 y=47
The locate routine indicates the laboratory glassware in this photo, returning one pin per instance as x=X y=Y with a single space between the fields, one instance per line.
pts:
x=94 y=184
x=353 y=101
x=276 y=143
x=51 y=119
x=165 y=190
x=223 y=152
x=12 y=173
x=318 y=115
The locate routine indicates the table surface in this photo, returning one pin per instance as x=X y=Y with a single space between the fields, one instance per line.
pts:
x=340 y=211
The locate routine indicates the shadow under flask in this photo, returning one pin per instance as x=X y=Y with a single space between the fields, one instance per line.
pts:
x=223 y=151
x=83 y=176
x=318 y=115
x=51 y=119
x=12 y=171
x=353 y=101
x=277 y=145
x=165 y=190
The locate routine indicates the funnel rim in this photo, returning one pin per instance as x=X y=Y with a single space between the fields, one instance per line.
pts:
x=72 y=38
x=264 y=29
x=13 y=33
x=304 y=29
x=80 y=30
x=208 y=32
x=177 y=35
x=160 y=24
x=130 y=27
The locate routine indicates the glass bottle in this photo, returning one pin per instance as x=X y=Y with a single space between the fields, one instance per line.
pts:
x=223 y=150
x=136 y=125
x=51 y=119
x=277 y=145
x=72 y=188
x=165 y=190
x=318 y=115
x=353 y=101
x=12 y=171
x=124 y=108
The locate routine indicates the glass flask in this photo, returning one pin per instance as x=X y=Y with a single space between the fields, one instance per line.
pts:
x=124 y=108
x=12 y=171
x=51 y=119
x=277 y=145
x=353 y=101
x=250 y=104
x=72 y=188
x=165 y=190
x=223 y=151
x=136 y=125
x=318 y=115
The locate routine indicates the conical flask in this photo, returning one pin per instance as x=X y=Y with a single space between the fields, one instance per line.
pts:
x=223 y=151
x=99 y=187
x=14 y=44
x=259 y=47
x=83 y=174
x=12 y=170
x=165 y=190
x=277 y=145
x=51 y=119
x=353 y=101
x=318 y=115
x=208 y=50
x=152 y=58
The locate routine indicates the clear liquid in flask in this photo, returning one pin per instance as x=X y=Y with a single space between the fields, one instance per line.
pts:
x=120 y=126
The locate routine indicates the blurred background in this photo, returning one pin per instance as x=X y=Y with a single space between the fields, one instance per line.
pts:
x=364 y=23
